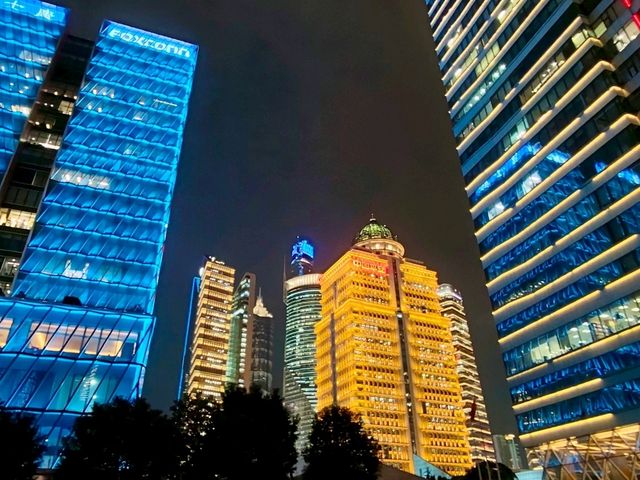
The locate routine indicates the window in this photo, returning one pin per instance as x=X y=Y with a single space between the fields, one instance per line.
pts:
x=496 y=209
x=625 y=36
x=529 y=183
x=5 y=328
x=17 y=218
x=65 y=107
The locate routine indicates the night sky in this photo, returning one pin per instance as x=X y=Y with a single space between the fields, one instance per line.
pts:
x=305 y=117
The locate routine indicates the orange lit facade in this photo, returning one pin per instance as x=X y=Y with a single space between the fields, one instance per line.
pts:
x=385 y=351
x=210 y=341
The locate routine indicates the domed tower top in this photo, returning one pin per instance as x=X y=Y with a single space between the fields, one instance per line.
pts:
x=378 y=238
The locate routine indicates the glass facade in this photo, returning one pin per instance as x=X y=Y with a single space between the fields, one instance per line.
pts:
x=302 y=302
x=90 y=171
x=544 y=100
x=250 y=359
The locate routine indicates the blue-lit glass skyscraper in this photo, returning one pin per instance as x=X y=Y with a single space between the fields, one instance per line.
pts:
x=544 y=100
x=89 y=164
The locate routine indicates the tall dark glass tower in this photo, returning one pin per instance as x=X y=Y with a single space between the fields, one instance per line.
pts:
x=544 y=100
x=89 y=145
x=250 y=358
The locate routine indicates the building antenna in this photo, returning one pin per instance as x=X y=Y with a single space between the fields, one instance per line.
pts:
x=284 y=279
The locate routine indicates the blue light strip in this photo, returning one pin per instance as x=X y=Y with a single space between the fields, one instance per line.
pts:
x=195 y=288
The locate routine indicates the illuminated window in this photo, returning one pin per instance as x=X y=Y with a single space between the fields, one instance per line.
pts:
x=65 y=107
x=625 y=35
x=5 y=328
x=529 y=183
x=86 y=340
x=17 y=218
x=496 y=209
x=63 y=175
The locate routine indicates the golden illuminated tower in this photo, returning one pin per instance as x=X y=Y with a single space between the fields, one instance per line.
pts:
x=210 y=341
x=385 y=351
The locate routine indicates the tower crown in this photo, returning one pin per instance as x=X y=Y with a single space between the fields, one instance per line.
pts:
x=378 y=238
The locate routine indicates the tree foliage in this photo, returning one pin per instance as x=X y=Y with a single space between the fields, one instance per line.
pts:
x=253 y=437
x=194 y=416
x=20 y=446
x=122 y=440
x=339 y=447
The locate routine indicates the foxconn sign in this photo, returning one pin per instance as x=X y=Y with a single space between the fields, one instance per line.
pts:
x=144 y=39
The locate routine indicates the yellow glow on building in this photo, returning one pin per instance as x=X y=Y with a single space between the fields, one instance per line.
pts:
x=210 y=341
x=385 y=351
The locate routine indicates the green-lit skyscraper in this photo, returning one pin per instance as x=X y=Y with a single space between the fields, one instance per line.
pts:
x=302 y=300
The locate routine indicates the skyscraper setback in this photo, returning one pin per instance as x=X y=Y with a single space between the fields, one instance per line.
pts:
x=302 y=302
x=89 y=146
x=475 y=412
x=385 y=351
x=544 y=100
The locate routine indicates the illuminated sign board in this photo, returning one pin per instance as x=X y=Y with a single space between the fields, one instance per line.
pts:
x=33 y=8
x=302 y=248
x=148 y=40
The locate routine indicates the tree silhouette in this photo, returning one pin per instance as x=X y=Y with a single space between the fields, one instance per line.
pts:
x=339 y=447
x=489 y=471
x=121 y=440
x=254 y=436
x=20 y=446
x=194 y=416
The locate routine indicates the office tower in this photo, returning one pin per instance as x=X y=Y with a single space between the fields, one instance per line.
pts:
x=88 y=168
x=509 y=452
x=302 y=303
x=250 y=358
x=209 y=352
x=385 y=351
x=480 y=439
x=260 y=338
x=544 y=100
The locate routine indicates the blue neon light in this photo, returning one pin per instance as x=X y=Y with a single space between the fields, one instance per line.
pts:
x=302 y=248
x=125 y=34
x=102 y=224
x=100 y=229
x=35 y=9
x=29 y=34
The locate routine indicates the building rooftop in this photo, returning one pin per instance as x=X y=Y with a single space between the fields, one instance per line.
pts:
x=373 y=230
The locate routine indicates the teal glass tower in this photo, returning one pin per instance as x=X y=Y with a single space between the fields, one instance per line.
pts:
x=544 y=99
x=89 y=169
x=302 y=300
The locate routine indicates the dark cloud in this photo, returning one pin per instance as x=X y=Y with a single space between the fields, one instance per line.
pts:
x=305 y=117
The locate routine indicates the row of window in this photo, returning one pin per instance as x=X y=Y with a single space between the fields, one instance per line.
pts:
x=628 y=223
x=561 y=189
x=501 y=136
x=620 y=397
x=618 y=360
x=576 y=254
x=615 y=189
x=524 y=43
